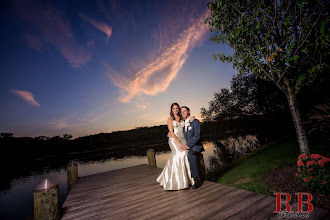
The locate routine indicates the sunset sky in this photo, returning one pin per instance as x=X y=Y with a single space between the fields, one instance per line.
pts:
x=86 y=67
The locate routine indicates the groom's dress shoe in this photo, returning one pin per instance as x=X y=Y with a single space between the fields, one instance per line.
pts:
x=198 y=183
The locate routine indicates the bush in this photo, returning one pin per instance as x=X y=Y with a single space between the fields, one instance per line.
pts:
x=314 y=171
x=319 y=118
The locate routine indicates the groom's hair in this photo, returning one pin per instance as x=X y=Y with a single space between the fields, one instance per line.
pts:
x=187 y=109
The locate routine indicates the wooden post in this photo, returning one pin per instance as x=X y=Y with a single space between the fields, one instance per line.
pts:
x=72 y=171
x=151 y=158
x=201 y=166
x=46 y=201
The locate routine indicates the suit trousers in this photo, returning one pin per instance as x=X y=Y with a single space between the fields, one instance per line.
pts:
x=192 y=158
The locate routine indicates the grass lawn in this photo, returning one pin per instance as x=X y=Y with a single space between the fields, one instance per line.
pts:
x=252 y=166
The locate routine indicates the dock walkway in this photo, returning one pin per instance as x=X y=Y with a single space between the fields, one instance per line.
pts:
x=133 y=193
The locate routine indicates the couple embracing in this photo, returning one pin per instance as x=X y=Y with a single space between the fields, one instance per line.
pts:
x=181 y=169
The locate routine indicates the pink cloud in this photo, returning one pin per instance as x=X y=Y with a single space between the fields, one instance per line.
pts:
x=26 y=96
x=141 y=106
x=52 y=28
x=157 y=75
x=99 y=25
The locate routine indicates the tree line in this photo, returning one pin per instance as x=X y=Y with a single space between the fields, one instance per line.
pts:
x=26 y=148
x=254 y=106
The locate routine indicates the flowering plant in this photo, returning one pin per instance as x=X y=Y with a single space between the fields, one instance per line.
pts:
x=314 y=171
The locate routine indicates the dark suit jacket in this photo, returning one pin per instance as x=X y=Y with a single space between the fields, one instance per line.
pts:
x=192 y=136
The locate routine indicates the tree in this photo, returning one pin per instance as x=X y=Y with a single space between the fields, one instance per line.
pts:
x=6 y=135
x=283 y=41
x=248 y=96
x=42 y=138
x=67 y=136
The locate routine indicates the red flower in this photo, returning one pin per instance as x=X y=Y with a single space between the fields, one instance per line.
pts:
x=326 y=159
x=309 y=163
x=296 y=174
x=310 y=177
x=316 y=156
x=325 y=182
x=321 y=163
x=310 y=169
x=303 y=156
x=306 y=180
x=300 y=163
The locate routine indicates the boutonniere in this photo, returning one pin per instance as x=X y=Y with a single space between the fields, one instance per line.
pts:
x=188 y=126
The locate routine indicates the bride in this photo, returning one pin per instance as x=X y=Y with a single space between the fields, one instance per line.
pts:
x=176 y=172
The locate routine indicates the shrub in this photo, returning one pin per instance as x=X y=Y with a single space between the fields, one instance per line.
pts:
x=319 y=118
x=314 y=171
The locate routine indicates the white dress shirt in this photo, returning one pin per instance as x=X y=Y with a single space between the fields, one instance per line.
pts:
x=186 y=125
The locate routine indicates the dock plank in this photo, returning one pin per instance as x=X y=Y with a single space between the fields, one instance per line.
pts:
x=134 y=193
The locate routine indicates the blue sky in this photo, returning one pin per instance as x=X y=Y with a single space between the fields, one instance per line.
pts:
x=85 y=67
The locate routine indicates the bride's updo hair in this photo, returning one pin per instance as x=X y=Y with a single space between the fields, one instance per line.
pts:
x=171 y=113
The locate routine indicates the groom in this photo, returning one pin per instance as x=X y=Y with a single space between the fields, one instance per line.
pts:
x=192 y=136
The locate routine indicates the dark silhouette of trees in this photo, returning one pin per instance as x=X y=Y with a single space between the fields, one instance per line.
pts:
x=250 y=105
x=6 y=135
x=122 y=142
x=248 y=95
x=42 y=138
x=67 y=136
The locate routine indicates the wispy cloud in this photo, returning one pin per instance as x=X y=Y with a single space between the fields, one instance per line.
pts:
x=141 y=106
x=156 y=76
x=26 y=96
x=60 y=124
x=70 y=124
x=99 y=25
x=34 y=42
x=51 y=27
x=145 y=116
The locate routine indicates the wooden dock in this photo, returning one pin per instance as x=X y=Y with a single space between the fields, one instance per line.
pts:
x=133 y=193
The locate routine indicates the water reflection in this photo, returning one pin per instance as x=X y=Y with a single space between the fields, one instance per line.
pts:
x=228 y=149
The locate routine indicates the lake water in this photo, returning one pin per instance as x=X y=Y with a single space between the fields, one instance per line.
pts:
x=17 y=201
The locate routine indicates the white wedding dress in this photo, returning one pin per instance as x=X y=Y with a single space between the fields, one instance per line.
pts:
x=176 y=172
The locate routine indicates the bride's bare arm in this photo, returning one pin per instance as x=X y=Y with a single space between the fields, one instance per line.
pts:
x=171 y=130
